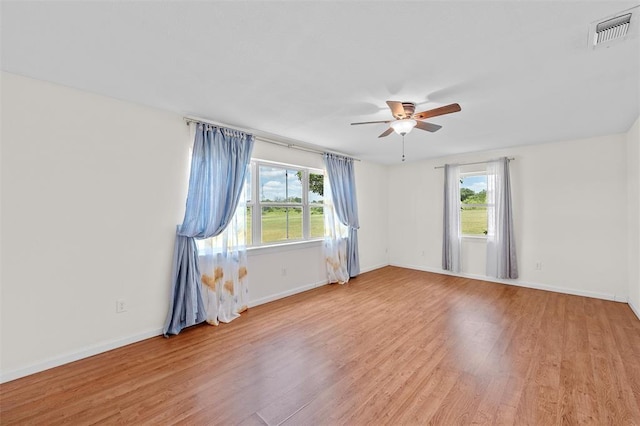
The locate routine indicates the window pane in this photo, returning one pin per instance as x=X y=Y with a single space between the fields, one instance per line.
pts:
x=295 y=223
x=247 y=184
x=248 y=228
x=294 y=186
x=473 y=220
x=281 y=224
x=316 y=188
x=317 y=222
x=272 y=184
x=274 y=224
x=473 y=191
x=280 y=185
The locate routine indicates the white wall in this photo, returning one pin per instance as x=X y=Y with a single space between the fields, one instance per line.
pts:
x=633 y=179
x=372 y=188
x=92 y=189
x=570 y=209
x=304 y=263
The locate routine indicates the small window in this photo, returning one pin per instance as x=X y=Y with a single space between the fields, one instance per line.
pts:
x=473 y=201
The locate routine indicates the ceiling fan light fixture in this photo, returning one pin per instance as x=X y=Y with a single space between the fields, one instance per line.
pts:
x=404 y=126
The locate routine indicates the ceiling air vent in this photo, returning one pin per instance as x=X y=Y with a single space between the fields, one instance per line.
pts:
x=613 y=29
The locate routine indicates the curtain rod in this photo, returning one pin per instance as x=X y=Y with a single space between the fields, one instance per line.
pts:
x=469 y=164
x=267 y=140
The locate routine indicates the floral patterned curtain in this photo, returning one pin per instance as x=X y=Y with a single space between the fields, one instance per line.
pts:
x=223 y=265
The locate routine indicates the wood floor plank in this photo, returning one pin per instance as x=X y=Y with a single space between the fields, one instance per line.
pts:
x=393 y=346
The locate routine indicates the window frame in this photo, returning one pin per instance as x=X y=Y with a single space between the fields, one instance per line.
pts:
x=475 y=172
x=256 y=205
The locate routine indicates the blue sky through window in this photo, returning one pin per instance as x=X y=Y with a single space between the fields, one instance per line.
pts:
x=275 y=185
x=475 y=183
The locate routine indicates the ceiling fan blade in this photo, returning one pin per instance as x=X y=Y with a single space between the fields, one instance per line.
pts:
x=386 y=132
x=429 y=127
x=397 y=109
x=371 y=122
x=447 y=109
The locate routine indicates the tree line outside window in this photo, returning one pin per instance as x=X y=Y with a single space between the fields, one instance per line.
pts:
x=473 y=201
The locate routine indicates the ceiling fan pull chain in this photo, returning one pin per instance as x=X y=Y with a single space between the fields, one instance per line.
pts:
x=402 y=147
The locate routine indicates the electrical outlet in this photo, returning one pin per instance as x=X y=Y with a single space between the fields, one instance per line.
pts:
x=121 y=306
x=538 y=266
x=284 y=272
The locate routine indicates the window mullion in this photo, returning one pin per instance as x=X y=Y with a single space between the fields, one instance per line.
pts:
x=306 y=215
x=256 y=211
x=286 y=198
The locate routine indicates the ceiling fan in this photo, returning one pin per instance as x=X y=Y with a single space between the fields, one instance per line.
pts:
x=406 y=118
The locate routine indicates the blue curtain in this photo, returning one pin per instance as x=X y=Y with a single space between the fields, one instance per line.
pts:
x=343 y=189
x=218 y=168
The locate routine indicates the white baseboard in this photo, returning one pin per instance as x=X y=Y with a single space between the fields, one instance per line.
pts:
x=96 y=349
x=519 y=283
x=107 y=346
x=634 y=308
x=303 y=288
x=286 y=293
x=75 y=356
x=6 y=376
x=373 y=268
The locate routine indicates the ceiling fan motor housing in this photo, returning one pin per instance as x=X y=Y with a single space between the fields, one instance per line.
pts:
x=409 y=109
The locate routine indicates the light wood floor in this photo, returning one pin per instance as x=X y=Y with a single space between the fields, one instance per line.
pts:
x=393 y=346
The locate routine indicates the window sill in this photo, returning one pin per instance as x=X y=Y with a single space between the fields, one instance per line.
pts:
x=288 y=246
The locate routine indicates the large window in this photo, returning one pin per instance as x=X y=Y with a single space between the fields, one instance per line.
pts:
x=473 y=199
x=284 y=203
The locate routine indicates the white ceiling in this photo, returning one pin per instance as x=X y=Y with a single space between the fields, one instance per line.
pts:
x=521 y=70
